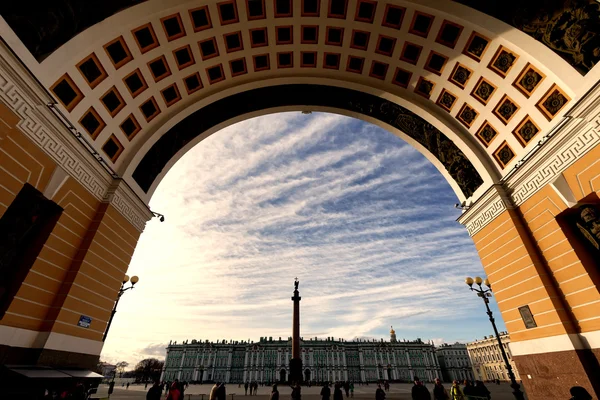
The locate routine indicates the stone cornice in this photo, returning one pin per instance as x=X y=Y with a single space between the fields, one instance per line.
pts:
x=572 y=140
x=27 y=99
x=489 y=206
x=128 y=204
x=24 y=95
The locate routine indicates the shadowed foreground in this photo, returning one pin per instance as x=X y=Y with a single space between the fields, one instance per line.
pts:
x=399 y=391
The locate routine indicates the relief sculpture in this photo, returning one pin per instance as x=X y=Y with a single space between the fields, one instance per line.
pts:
x=442 y=148
x=589 y=225
x=45 y=26
x=571 y=28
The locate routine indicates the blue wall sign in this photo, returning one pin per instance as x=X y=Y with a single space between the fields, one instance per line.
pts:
x=84 y=321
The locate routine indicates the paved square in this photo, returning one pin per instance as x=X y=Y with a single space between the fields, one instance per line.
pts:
x=398 y=391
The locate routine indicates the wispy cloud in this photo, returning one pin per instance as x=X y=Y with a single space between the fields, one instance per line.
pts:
x=360 y=217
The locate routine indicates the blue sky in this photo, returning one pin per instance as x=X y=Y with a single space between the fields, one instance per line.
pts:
x=365 y=222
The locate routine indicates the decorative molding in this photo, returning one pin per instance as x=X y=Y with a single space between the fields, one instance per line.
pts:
x=573 y=140
x=570 y=142
x=23 y=95
x=489 y=206
x=546 y=166
x=128 y=204
x=17 y=90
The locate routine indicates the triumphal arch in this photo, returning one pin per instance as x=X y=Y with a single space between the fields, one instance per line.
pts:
x=98 y=99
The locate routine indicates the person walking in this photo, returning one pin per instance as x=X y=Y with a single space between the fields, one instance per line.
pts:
x=214 y=392
x=347 y=388
x=127 y=386
x=154 y=392
x=351 y=389
x=274 y=393
x=439 y=391
x=174 y=393
x=337 y=392
x=246 y=389
x=481 y=390
x=221 y=392
x=182 y=387
x=419 y=391
x=296 y=394
x=379 y=393
x=469 y=389
x=255 y=388
x=455 y=392
x=325 y=392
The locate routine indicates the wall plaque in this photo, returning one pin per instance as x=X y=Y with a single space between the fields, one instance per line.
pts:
x=84 y=321
x=527 y=317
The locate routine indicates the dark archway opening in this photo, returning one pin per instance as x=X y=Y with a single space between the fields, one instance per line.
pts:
x=282 y=376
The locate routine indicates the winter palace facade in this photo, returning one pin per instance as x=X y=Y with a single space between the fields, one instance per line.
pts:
x=323 y=360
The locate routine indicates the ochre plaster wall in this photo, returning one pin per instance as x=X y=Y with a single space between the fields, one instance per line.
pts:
x=531 y=259
x=80 y=267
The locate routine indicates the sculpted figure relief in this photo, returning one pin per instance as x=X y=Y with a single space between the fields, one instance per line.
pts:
x=589 y=224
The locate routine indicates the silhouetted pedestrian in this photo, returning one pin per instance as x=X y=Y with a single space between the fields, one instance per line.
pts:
x=439 y=391
x=468 y=390
x=379 y=393
x=325 y=392
x=296 y=394
x=274 y=393
x=337 y=392
x=419 y=391
x=214 y=392
x=221 y=392
x=154 y=393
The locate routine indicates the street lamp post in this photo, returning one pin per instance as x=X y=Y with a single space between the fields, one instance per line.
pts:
x=485 y=294
x=134 y=279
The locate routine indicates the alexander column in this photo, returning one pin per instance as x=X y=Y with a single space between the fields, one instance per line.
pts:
x=296 y=361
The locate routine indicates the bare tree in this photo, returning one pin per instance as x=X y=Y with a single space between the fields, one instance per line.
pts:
x=121 y=365
x=148 y=369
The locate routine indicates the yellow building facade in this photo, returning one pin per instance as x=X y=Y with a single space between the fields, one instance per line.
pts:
x=92 y=118
x=486 y=357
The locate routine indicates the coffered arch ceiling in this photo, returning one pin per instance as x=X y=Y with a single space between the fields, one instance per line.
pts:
x=487 y=90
